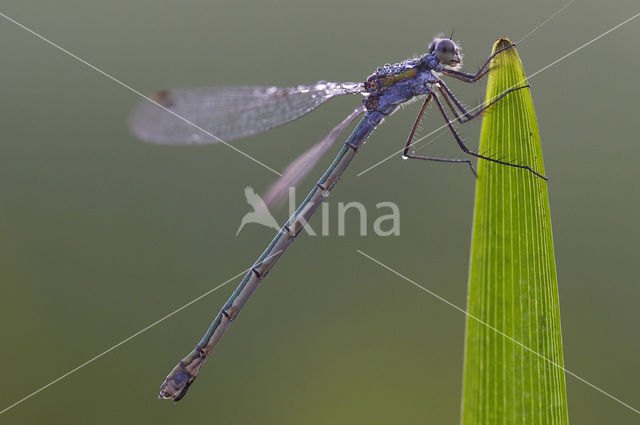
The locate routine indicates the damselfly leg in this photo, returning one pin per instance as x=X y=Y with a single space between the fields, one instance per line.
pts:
x=414 y=129
x=468 y=151
x=462 y=115
x=472 y=78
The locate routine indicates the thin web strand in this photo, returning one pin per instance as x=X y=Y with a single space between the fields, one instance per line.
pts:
x=471 y=316
x=129 y=338
x=128 y=87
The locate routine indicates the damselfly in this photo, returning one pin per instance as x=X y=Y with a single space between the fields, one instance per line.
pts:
x=209 y=115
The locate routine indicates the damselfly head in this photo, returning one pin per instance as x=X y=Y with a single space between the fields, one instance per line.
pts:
x=446 y=51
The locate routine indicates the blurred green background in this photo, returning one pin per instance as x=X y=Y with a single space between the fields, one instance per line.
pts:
x=100 y=235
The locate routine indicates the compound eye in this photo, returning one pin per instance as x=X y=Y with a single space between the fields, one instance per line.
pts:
x=446 y=51
x=446 y=46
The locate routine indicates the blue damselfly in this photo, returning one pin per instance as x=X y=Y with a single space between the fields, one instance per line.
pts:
x=234 y=112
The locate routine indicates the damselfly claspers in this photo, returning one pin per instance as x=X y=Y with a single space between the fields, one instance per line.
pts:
x=220 y=114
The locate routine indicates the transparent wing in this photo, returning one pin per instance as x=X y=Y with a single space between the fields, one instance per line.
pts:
x=299 y=168
x=214 y=114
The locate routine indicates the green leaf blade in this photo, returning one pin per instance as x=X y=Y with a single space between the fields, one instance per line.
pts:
x=513 y=294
